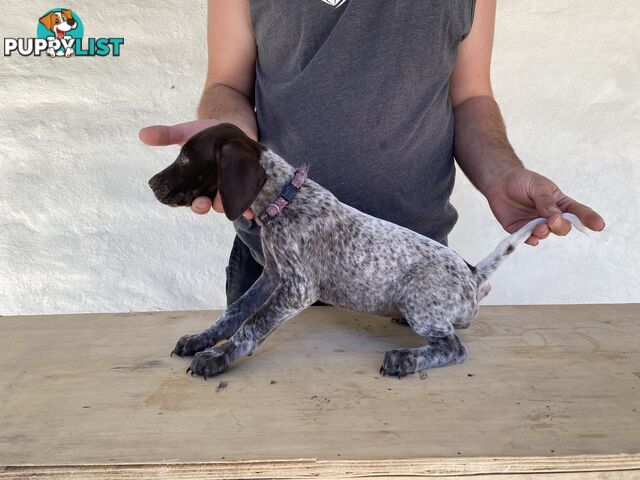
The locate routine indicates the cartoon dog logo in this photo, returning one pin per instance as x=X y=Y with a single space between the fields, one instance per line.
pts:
x=60 y=23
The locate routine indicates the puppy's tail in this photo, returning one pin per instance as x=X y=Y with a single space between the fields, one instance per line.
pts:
x=487 y=266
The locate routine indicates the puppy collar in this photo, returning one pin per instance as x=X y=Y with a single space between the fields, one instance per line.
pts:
x=286 y=195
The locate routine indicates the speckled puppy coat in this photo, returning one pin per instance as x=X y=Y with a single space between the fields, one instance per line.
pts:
x=318 y=248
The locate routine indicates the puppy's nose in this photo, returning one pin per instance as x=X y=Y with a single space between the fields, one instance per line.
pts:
x=71 y=22
x=154 y=182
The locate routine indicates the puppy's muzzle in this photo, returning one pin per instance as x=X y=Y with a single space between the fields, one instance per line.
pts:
x=161 y=191
x=171 y=196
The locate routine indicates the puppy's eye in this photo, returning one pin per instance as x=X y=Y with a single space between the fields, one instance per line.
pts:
x=183 y=161
x=57 y=21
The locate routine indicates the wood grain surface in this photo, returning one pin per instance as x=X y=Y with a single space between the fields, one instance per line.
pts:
x=545 y=389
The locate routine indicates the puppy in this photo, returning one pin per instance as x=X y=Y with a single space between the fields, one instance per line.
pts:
x=60 y=23
x=317 y=248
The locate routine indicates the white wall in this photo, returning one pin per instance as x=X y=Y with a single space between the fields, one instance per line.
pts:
x=81 y=232
x=567 y=77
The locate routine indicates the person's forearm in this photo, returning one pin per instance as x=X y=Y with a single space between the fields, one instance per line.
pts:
x=481 y=147
x=222 y=102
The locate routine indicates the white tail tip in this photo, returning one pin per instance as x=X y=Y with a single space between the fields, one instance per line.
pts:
x=575 y=221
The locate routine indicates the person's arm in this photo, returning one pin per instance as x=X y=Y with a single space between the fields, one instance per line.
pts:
x=483 y=152
x=228 y=91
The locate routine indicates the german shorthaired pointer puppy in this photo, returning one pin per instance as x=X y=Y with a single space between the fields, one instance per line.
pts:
x=317 y=248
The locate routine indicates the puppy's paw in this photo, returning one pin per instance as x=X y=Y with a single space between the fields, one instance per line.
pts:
x=69 y=52
x=191 y=344
x=213 y=361
x=399 y=362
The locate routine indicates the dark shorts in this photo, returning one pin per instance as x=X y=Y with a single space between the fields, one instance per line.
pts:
x=246 y=260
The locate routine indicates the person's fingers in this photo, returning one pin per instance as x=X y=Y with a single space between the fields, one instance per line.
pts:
x=559 y=225
x=217 y=203
x=589 y=218
x=533 y=241
x=544 y=200
x=217 y=206
x=155 y=135
x=201 y=205
x=541 y=231
x=163 y=135
x=544 y=197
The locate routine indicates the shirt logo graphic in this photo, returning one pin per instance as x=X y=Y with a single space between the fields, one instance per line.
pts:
x=334 y=3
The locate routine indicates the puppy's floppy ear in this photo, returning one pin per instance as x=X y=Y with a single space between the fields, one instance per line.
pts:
x=48 y=20
x=67 y=13
x=240 y=177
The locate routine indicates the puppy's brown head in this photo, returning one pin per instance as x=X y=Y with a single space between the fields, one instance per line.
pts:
x=218 y=159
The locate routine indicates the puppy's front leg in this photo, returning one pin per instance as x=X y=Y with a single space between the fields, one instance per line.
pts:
x=287 y=300
x=231 y=318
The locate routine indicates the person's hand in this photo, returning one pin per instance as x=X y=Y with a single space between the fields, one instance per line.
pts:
x=521 y=195
x=164 y=135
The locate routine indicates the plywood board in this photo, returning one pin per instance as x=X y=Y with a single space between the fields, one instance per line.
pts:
x=556 y=384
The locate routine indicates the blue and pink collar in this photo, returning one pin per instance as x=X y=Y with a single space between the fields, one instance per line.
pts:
x=286 y=195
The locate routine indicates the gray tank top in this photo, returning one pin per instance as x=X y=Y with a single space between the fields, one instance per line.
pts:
x=358 y=90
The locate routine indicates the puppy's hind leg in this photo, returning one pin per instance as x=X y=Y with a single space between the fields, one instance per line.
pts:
x=443 y=347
